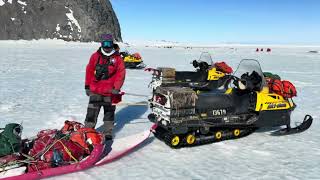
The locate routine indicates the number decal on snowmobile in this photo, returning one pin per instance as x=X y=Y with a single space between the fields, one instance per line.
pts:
x=219 y=112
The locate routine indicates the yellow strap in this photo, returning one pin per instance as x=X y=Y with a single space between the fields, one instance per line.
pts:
x=47 y=148
x=65 y=148
x=68 y=152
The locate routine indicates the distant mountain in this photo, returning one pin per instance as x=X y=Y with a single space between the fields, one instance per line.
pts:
x=71 y=20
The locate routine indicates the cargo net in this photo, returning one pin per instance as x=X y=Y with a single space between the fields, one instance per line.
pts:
x=182 y=99
x=167 y=74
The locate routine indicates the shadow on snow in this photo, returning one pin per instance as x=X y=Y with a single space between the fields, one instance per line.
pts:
x=126 y=115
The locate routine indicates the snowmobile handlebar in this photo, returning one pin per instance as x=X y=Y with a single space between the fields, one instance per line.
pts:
x=245 y=82
x=149 y=69
x=235 y=81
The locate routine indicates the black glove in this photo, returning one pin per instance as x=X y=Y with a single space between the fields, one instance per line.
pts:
x=88 y=92
x=115 y=91
x=195 y=63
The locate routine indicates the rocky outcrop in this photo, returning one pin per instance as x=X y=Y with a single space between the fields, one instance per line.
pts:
x=71 y=20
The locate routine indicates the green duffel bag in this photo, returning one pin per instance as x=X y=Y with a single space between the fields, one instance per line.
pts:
x=272 y=76
x=10 y=139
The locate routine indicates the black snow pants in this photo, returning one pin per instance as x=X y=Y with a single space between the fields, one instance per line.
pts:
x=97 y=101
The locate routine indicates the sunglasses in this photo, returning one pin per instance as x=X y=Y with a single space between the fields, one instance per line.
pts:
x=107 y=44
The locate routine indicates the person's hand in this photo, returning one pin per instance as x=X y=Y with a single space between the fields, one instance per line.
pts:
x=88 y=92
x=115 y=91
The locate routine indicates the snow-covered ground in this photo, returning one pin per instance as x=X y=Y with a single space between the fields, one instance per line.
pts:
x=42 y=84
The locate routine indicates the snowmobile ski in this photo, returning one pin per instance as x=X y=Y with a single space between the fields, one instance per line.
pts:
x=298 y=129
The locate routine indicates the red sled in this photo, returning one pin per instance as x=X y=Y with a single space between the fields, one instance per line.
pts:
x=84 y=164
x=120 y=148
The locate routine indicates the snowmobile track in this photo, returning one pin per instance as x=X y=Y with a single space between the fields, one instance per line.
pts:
x=216 y=136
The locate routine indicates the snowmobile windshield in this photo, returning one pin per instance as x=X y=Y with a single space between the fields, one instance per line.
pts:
x=205 y=57
x=250 y=67
x=125 y=51
x=131 y=50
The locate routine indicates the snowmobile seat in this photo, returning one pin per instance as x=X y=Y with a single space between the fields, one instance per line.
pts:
x=187 y=76
x=214 y=101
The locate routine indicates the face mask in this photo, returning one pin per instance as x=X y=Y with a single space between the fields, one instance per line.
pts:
x=107 y=53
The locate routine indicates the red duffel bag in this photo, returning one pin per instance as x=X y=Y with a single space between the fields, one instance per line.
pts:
x=70 y=151
x=44 y=139
x=71 y=126
x=275 y=86
x=47 y=143
x=223 y=67
x=289 y=90
x=137 y=56
x=283 y=88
